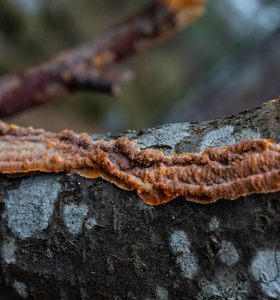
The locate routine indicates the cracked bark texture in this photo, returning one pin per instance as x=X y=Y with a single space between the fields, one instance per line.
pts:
x=68 y=237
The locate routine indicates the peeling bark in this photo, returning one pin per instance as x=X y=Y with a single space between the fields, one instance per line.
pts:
x=69 y=237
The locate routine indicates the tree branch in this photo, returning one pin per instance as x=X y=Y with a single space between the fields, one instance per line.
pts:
x=70 y=237
x=87 y=66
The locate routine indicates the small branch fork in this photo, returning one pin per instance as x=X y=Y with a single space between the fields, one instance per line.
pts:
x=90 y=66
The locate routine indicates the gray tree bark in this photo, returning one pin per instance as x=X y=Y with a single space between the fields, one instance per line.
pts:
x=68 y=237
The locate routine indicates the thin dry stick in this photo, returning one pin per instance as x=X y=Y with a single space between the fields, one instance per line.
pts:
x=241 y=169
x=86 y=68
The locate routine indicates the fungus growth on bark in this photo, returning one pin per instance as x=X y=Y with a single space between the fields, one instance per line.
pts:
x=241 y=169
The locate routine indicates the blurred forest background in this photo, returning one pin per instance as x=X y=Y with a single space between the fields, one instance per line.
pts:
x=224 y=62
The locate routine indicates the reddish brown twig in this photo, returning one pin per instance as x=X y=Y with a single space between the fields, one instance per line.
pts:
x=86 y=67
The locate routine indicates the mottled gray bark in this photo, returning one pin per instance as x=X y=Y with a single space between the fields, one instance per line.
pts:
x=68 y=237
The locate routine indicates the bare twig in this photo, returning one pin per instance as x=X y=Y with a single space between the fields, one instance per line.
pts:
x=86 y=67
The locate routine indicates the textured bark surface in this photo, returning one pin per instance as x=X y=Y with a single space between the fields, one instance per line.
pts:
x=68 y=237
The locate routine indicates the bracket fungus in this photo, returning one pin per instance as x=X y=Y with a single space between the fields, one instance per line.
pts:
x=241 y=169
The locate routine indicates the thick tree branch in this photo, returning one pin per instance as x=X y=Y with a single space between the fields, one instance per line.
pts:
x=69 y=237
x=87 y=66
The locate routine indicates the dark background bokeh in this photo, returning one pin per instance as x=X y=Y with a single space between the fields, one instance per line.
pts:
x=222 y=63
